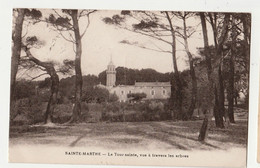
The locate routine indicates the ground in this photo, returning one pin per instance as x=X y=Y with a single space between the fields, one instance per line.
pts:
x=145 y=135
x=223 y=148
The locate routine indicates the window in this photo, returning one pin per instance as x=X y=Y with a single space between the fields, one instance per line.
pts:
x=122 y=92
x=164 y=92
x=129 y=91
x=152 y=92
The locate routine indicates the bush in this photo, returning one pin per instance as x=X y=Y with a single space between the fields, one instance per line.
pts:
x=129 y=112
x=98 y=95
x=62 y=113
x=91 y=112
x=24 y=89
x=27 y=111
x=31 y=111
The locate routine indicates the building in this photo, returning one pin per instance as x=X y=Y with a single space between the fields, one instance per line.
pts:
x=111 y=74
x=153 y=90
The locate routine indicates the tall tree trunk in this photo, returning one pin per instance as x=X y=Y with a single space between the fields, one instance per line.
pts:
x=192 y=71
x=219 y=42
x=54 y=94
x=247 y=38
x=78 y=81
x=203 y=130
x=54 y=85
x=216 y=108
x=221 y=97
x=16 y=49
x=177 y=95
x=230 y=90
x=231 y=74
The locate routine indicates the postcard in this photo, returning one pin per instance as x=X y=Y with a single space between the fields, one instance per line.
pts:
x=129 y=87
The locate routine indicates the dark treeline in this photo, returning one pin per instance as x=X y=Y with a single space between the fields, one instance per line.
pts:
x=124 y=76
x=128 y=76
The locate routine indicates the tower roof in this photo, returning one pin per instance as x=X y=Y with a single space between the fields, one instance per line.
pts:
x=111 y=61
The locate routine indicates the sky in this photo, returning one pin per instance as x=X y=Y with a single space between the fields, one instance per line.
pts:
x=102 y=42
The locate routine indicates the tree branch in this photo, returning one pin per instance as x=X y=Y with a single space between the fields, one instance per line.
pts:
x=32 y=78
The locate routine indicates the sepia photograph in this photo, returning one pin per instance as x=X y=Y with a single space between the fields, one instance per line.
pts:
x=129 y=87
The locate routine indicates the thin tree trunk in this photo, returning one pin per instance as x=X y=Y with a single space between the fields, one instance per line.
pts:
x=204 y=128
x=221 y=97
x=192 y=71
x=78 y=81
x=217 y=112
x=231 y=90
x=216 y=107
x=16 y=49
x=220 y=110
x=247 y=39
x=54 y=85
x=176 y=96
x=231 y=74
x=54 y=94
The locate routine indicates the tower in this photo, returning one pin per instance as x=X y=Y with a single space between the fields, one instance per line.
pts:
x=111 y=74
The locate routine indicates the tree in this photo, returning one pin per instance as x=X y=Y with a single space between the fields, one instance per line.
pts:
x=246 y=21
x=187 y=33
x=158 y=26
x=231 y=74
x=64 y=24
x=19 y=16
x=209 y=101
x=220 y=35
x=16 y=49
x=29 y=60
x=48 y=67
x=239 y=44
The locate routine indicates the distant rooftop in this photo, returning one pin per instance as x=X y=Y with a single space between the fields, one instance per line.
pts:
x=160 y=84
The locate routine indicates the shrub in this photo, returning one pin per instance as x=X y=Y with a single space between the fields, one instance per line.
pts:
x=142 y=111
x=91 y=112
x=97 y=95
x=27 y=111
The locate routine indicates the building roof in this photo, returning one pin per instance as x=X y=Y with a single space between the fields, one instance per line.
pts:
x=153 y=84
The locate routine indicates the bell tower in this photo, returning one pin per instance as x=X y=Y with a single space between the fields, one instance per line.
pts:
x=111 y=74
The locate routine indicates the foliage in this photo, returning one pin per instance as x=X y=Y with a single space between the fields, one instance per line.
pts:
x=97 y=95
x=27 y=111
x=67 y=86
x=133 y=112
x=128 y=76
x=33 y=13
x=24 y=89
x=46 y=83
